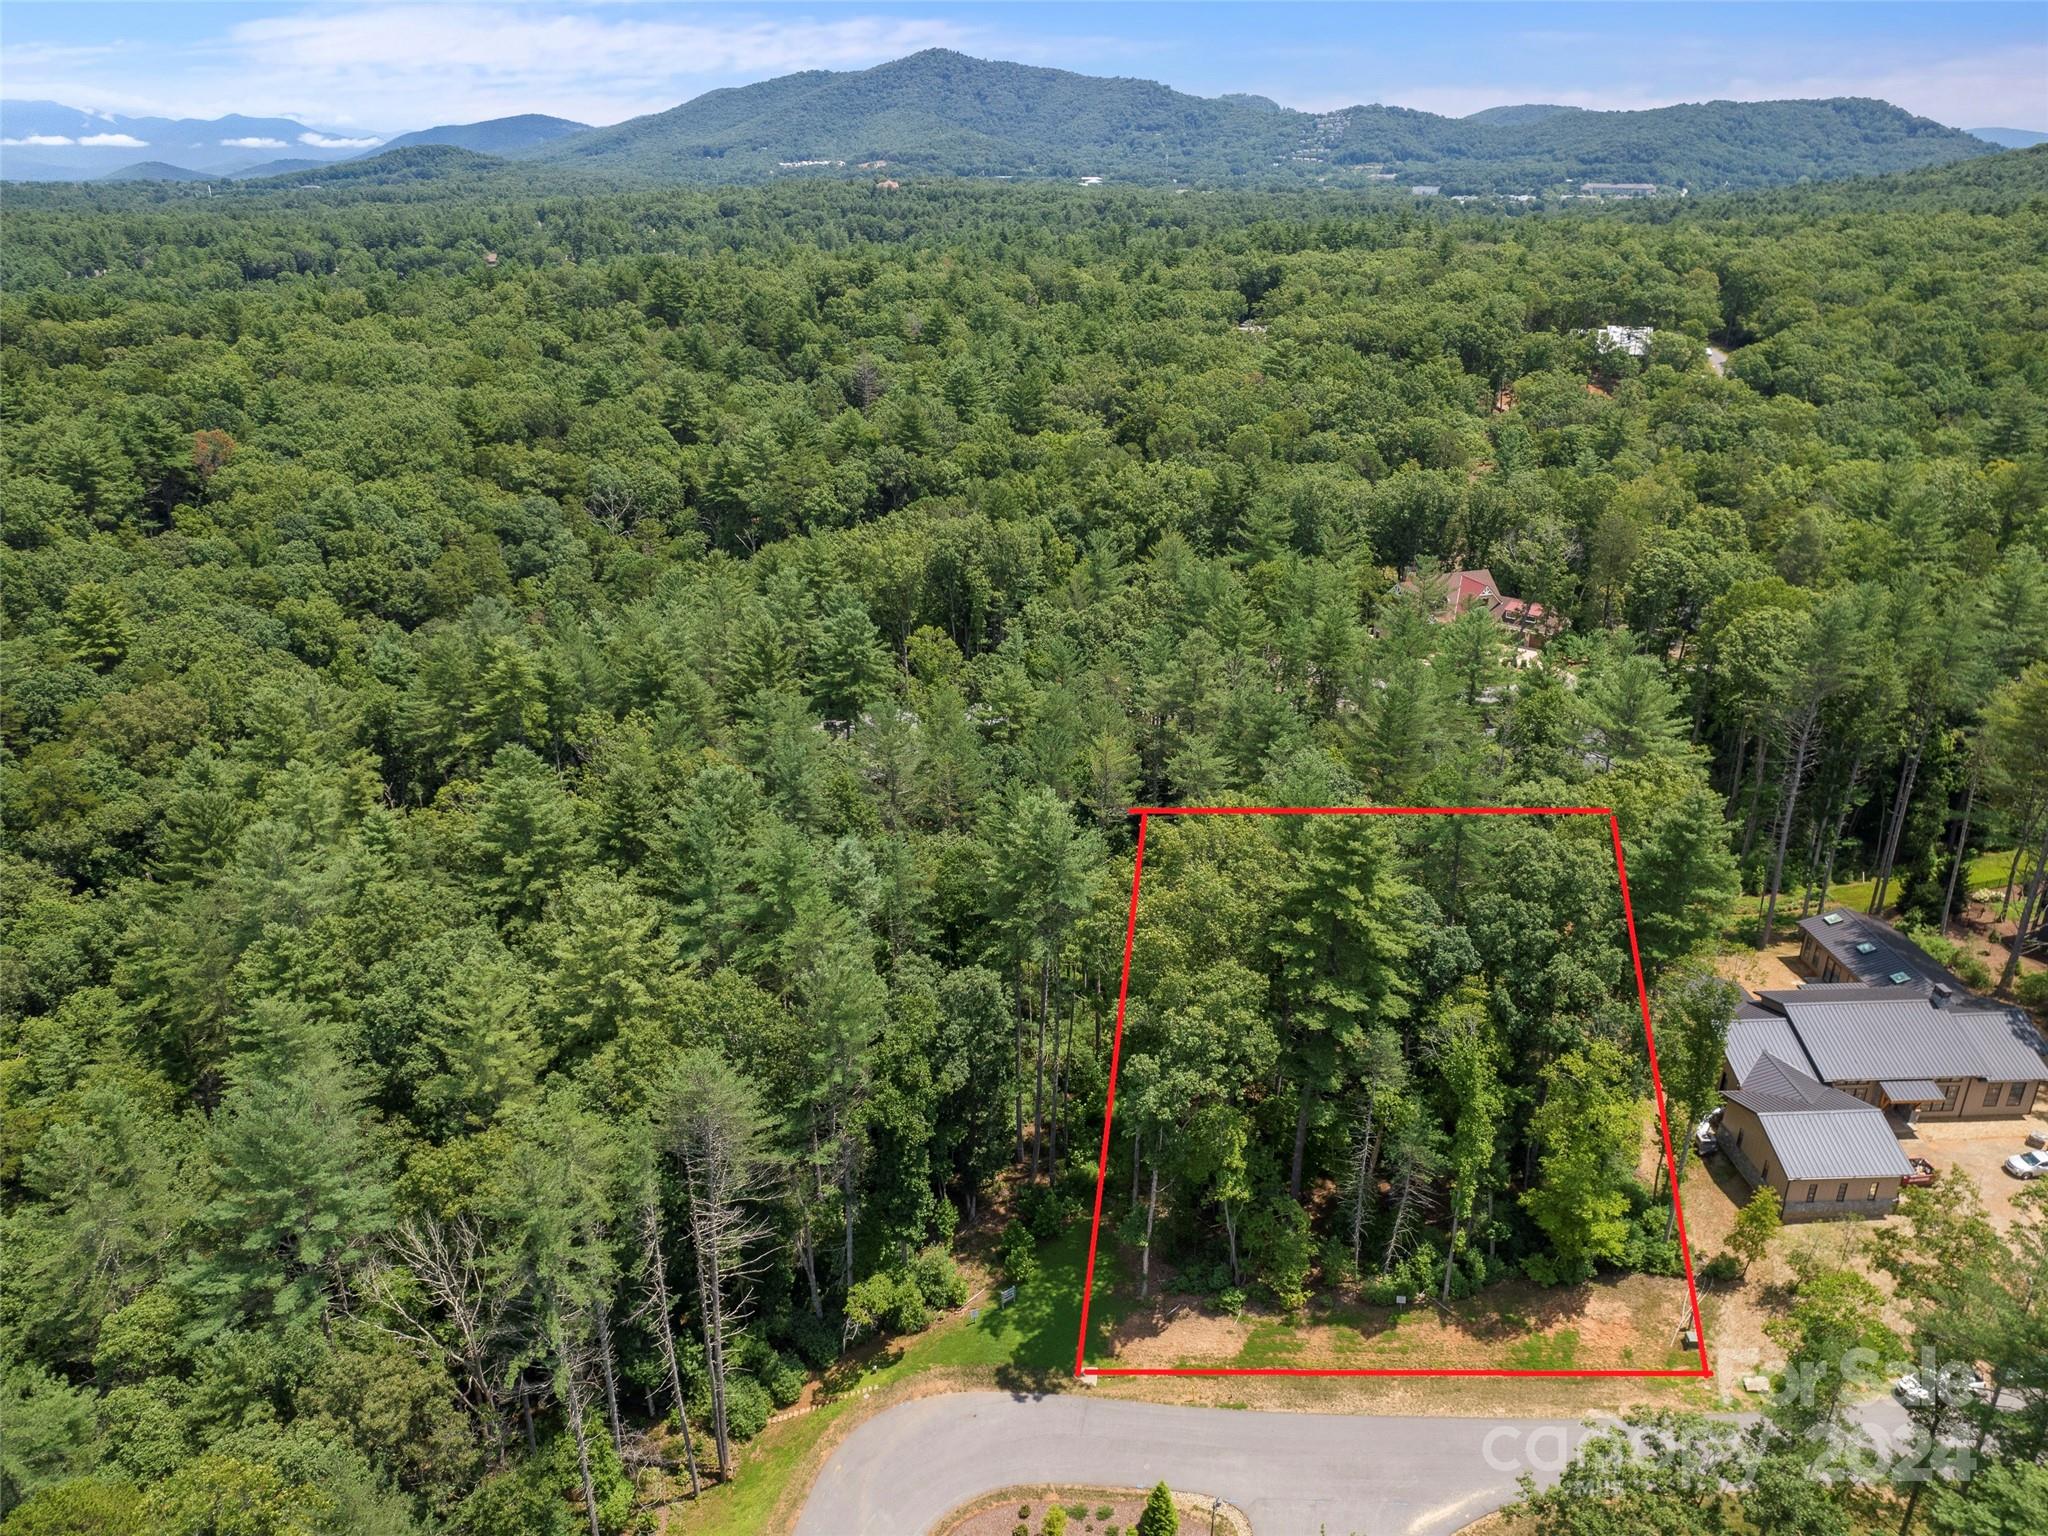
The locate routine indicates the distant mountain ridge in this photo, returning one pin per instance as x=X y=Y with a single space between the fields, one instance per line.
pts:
x=2011 y=138
x=496 y=136
x=940 y=113
x=944 y=113
x=48 y=141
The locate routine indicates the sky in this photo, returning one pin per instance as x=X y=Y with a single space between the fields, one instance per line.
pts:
x=382 y=68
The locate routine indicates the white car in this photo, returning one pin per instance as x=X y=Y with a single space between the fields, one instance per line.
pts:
x=2027 y=1165
x=1706 y=1136
x=1916 y=1389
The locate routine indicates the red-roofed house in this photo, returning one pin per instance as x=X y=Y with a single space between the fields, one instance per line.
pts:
x=1531 y=622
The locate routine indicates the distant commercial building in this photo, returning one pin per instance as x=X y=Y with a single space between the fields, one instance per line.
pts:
x=1619 y=188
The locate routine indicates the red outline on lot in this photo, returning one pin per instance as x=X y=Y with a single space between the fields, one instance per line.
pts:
x=1145 y=813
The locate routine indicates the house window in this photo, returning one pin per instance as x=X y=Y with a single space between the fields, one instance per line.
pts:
x=1949 y=1094
x=2017 y=1094
x=1812 y=1193
x=1991 y=1093
x=1873 y=1189
x=1841 y=1193
x=1765 y=1175
x=1738 y=1136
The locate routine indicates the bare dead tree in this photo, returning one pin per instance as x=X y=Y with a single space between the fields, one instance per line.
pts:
x=435 y=1286
x=571 y=1349
x=657 y=1311
x=719 y=1134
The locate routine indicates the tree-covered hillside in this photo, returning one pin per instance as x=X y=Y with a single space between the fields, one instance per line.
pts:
x=940 y=112
x=563 y=765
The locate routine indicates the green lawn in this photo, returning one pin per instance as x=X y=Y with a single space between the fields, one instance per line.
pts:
x=1985 y=870
x=1024 y=1343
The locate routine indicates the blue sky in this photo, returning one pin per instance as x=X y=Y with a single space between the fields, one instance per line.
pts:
x=390 y=67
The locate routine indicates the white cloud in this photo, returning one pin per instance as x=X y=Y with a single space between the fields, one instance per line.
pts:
x=38 y=140
x=253 y=143
x=386 y=66
x=113 y=141
x=329 y=141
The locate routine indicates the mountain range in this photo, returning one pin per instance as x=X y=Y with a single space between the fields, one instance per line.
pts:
x=48 y=141
x=940 y=113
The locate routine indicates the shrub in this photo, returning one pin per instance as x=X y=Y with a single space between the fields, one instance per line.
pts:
x=1055 y=1522
x=889 y=1301
x=1020 y=1529
x=815 y=1340
x=1160 y=1517
x=1336 y=1263
x=1104 y=1511
x=1277 y=1235
x=747 y=1406
x=1722 y=1268
x=938 y=1280
x=1230 y=1302
x=1020 y=1254
x=1043 y=1211
x=2032 y=991
x=782 y=1375
x=1077 y=1511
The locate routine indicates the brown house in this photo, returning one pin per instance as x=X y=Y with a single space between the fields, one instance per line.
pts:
x=1531 y=622
x=1825 y=1153
x=1819 y=1081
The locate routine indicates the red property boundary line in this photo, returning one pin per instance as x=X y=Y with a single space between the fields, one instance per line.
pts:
x=1145 y=813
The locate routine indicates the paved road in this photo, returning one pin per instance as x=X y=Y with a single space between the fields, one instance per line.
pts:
x=1295 y=1474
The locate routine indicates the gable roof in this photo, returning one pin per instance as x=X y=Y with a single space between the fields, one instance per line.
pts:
x=1756 y=1037
x=1874 y=952
x=1817 y=1132
x=1881 y=1034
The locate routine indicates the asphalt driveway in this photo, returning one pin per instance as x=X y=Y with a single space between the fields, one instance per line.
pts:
x=1294 y=1474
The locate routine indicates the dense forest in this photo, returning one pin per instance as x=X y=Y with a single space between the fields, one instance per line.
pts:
x=566 y=766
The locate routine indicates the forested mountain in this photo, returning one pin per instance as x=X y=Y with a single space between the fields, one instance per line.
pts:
x=156 y=170
x=945 y=113
x=564 y=762
x=498 y=136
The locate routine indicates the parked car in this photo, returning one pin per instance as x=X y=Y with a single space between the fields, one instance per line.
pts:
x=2027 y=1165
x=1923 y=1172
x=1916 y=1389
x=1706 y=1136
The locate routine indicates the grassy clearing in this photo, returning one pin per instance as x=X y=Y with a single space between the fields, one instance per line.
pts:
x=1029 y=1343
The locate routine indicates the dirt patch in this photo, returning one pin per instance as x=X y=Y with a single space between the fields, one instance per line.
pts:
x=1979 y=1147
x=1629 y=1321
x=1089 y=1511
x=1758 y=969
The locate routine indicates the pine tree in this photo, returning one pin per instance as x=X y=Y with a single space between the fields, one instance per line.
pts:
x=301 y=1179
x=1159 y=1517
x=527 y=837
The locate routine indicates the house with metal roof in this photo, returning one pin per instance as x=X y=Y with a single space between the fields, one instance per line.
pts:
x=1824 y=1152
x=1913 y=1054
x=1819 y=1081
x=1852 y=946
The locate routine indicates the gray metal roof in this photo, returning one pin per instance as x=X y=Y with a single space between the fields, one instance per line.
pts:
x=1881 y=1036
x=1817 y=1132
x=1912 y=1090
x=1874 y=952
x=1770 y=1035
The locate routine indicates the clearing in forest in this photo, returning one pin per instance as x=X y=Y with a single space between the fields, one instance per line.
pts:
x=1375 y=1105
